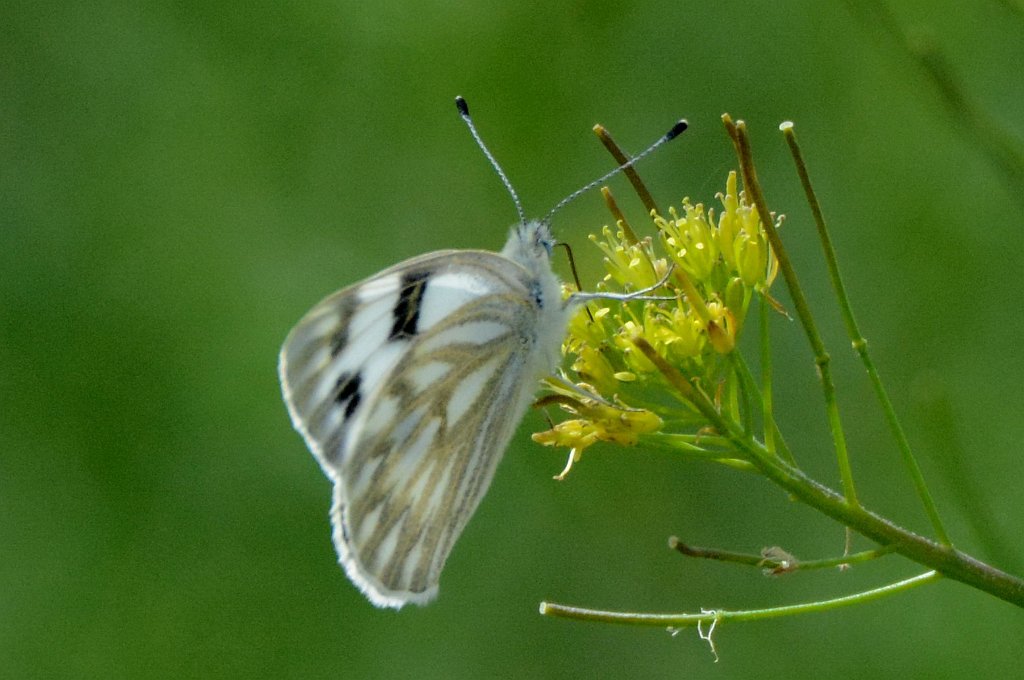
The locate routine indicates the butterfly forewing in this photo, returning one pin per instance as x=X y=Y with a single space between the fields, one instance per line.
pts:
x=342 y=350
x=407 y=387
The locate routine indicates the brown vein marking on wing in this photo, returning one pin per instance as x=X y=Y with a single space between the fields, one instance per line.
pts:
x=386 y=485
x=437 y=528
x=303 y=376
x=302 y=346
x=493 y=430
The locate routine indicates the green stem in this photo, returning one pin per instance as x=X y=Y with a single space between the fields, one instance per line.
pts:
x=945 y=559
x=767 y=401
x=620 y=219
x=845 y=560
x=776 y=444
x=621 y=158
x=781 y=565
x=679 y=444
x=860 y=344
x=746 y=388
x=738 y=132
x=717 y=554
x=719 y=615
x=829 y=562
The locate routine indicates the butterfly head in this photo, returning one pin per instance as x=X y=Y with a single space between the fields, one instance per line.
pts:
x=529 y=244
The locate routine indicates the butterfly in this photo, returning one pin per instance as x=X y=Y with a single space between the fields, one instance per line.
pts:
x=408 y=386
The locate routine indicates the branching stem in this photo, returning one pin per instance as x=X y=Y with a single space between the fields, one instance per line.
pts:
x=738 y=132
x=945 y=559
x=859 y=343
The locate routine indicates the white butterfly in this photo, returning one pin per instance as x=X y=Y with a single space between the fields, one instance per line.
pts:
x=408 y=386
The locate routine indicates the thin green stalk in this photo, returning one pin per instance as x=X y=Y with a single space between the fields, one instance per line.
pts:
x=777 y=565
x=700 y=441
x=747 y=378
x=859 y=343
x=738 y=133
x=716 y=554
x=676 y=444
x=745 y=387
x=945 y=559
x=845 y=560
x=767 y=401
x=720 y=615
x=828 y=562
x=630 y=172
x=620 y=219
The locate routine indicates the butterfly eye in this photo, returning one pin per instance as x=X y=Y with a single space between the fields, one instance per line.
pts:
x=540 y=239
x=543 y=241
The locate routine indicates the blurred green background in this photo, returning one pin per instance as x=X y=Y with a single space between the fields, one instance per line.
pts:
x=180 y=182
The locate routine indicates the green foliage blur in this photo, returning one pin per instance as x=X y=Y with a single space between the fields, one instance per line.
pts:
x=181 y=181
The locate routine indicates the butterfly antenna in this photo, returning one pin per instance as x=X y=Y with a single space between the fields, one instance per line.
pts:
x=463 y=108
x=676 y=130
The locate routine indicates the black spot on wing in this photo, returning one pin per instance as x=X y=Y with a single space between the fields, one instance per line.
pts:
x=346 y=392
x=407 y=310
x=339 y=338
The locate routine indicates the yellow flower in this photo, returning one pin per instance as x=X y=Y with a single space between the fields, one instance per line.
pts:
x=632 y=266
x=677 y=332
x=742 y=239
x=689 y=240
x=597 y=422
x=593 y=367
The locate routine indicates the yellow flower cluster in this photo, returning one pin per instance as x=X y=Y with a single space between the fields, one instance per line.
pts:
x=714 y=265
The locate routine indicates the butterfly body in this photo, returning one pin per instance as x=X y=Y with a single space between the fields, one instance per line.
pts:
x=408 y=387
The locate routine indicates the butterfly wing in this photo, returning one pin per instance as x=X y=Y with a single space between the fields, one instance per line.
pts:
x=407 y=387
